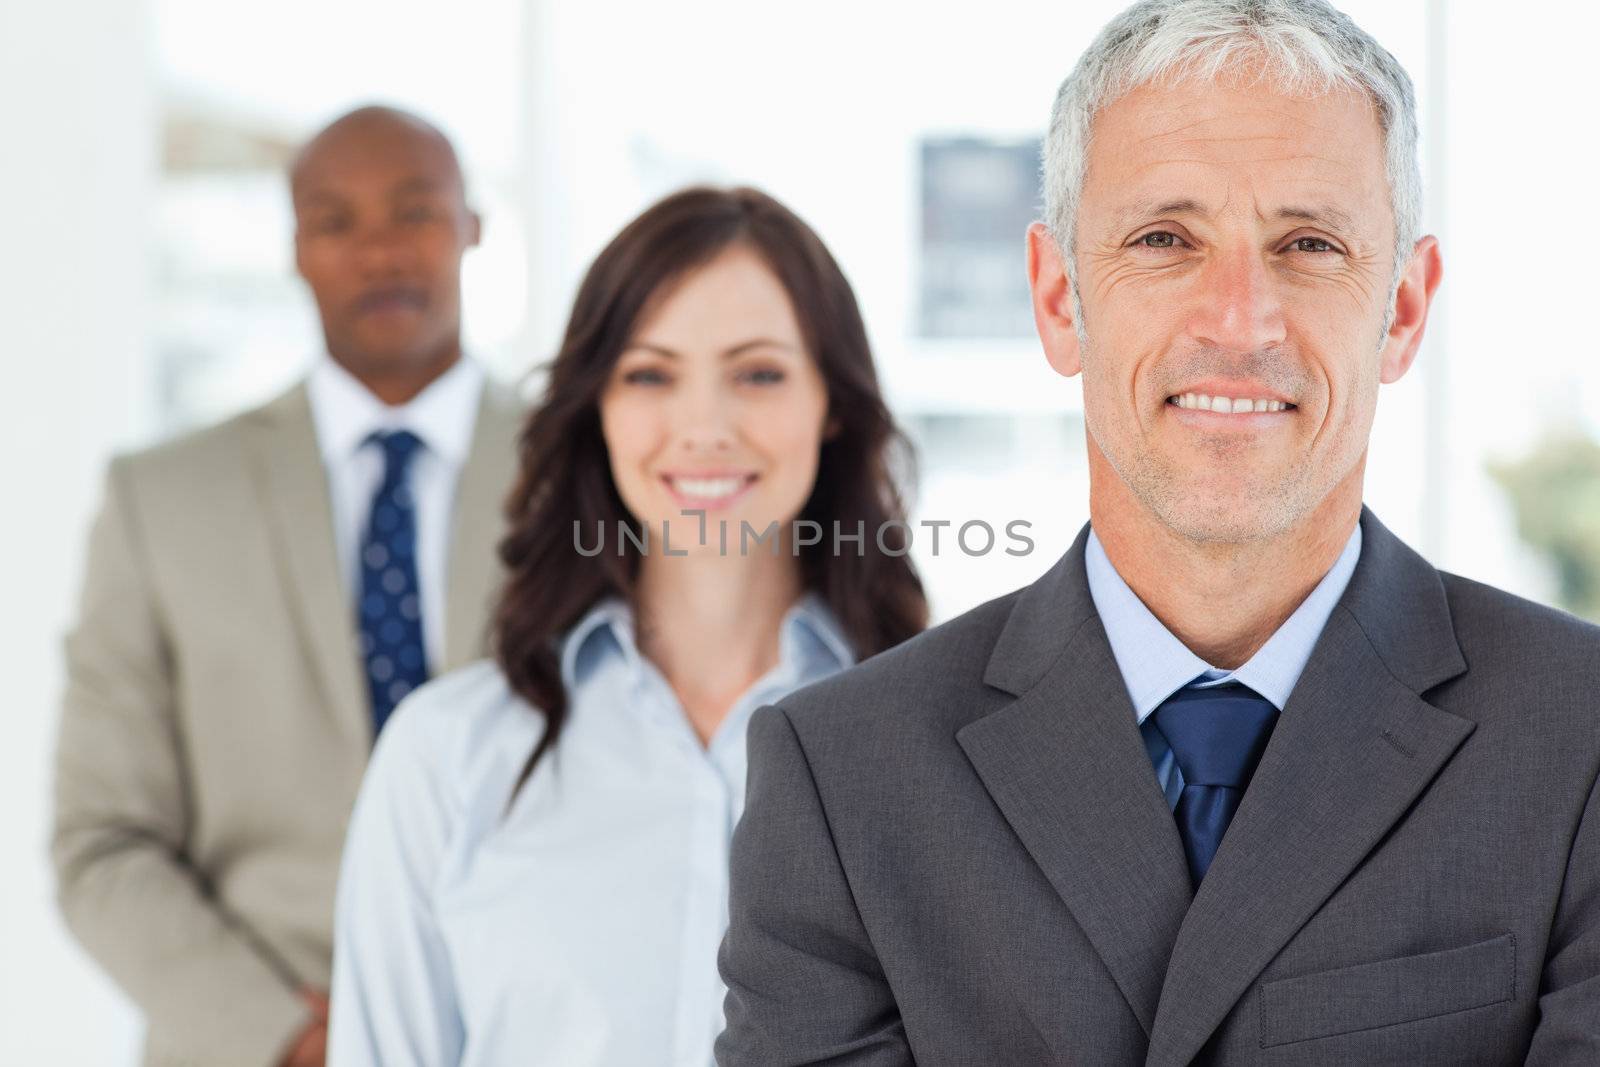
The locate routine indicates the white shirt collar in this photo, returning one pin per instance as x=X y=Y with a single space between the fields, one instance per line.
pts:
x=1155 y=664
x=809 y=630
x=346 y=413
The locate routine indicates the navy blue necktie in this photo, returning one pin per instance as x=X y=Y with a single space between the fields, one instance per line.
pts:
x=391 y=602
x=1217 y=736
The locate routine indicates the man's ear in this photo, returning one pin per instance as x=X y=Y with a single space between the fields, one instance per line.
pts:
x=474 y=228
x=1411 y=303
x=1052 y=301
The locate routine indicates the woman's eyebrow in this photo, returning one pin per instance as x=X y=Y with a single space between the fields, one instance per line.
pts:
x=727 y=353
x=755 y=342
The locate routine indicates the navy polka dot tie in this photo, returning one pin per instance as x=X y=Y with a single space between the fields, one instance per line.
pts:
x=1217 y=737
x=391 y=603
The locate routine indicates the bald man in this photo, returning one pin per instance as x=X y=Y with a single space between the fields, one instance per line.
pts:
x=258 y=597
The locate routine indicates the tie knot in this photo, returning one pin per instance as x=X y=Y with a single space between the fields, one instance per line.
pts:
x=399 y=446
x=1217 y=735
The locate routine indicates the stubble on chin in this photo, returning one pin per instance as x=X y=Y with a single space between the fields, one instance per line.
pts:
x=1207 y=511
x=1179 y=494
x=1176 y=491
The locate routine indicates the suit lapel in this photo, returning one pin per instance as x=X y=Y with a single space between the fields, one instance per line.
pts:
x=294 y=496
x=1353 y=749
x=1066 y=765
x=472 y=572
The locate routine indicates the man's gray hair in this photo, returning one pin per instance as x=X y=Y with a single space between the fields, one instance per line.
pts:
x=1303 y=46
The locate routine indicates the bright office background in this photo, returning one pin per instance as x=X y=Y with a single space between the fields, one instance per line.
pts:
x=146 y=284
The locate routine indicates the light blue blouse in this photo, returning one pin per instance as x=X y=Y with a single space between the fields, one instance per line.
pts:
x=579 y=928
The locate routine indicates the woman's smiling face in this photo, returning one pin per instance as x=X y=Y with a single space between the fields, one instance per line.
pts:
x=716 y=405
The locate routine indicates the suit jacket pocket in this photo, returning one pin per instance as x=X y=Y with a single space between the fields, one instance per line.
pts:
x=1388 y=992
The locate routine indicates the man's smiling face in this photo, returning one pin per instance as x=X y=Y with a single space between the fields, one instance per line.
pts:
x=1235 y=252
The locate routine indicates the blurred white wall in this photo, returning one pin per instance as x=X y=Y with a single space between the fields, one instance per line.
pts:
x=78 y=120
x=1517 y=306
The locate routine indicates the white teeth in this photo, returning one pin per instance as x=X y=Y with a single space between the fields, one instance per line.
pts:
x=1227 y=405
x=708 y=488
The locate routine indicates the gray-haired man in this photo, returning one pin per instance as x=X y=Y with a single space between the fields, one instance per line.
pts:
x=1242 y=779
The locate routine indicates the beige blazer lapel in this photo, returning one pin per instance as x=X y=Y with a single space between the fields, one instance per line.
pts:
x=293 y=488
x=1353 y=749
x=472 y=571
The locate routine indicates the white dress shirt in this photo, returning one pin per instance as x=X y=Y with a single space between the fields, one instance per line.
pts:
x=346 y=414
x=580 y=928
x=1154 y=664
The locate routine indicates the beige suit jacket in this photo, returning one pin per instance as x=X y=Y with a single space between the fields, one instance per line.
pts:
x=215 y=723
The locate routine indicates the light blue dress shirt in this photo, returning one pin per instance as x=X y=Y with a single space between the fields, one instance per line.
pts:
x=1155 y=664
x=579 y=928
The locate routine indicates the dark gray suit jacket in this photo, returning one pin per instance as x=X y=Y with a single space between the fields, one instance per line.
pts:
x=957 y=853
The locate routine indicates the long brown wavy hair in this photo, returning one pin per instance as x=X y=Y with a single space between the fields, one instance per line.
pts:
x=565 y=474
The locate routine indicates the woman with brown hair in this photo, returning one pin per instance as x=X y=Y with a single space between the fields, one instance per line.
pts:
x=706 y=519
